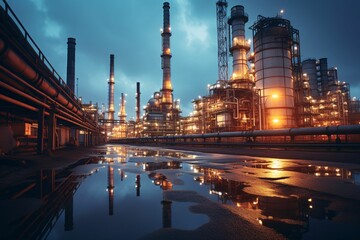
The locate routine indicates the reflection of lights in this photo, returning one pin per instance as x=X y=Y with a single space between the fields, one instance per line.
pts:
x=210 y=192
x=260 y=222
x=256 y=201
x=310 y=206
x=238 y=204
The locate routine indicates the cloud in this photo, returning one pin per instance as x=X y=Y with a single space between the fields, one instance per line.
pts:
x=52 y=29
x=196 y=31
x=40 y=5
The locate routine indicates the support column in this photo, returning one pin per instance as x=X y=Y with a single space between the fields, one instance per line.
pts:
x=40 y=137
x=52 y=131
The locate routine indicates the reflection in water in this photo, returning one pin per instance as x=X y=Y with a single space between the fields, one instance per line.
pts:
x=137 y=185
x=110 y=189
x=69 y=214
x=289 y=216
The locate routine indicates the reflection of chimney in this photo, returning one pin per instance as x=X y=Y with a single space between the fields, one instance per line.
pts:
x=166 y=91
x=110 y=189
x=69 y=214
x=137 y=102
x=70 y=76
x=111 y=83
x=166 y=213
x=137 y=185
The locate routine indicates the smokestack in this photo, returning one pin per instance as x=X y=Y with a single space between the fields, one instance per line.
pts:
x=239 y=47
x=111 y=88
x=138 y=102
x=166 y=91
x=70 y=76
x=122 y=114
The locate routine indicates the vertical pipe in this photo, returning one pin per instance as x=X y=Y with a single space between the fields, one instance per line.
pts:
x=70 y=76
x=138 y=102
x=40 y=137
x=111 y=83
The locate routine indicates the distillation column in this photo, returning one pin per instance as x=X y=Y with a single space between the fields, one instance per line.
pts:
x=239 y=48
x=111 y=83
x=166 y=91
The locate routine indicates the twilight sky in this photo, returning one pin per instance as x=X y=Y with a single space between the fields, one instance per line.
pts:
x=130 y=30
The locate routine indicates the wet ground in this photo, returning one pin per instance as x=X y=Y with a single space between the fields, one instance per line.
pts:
x=124 y=192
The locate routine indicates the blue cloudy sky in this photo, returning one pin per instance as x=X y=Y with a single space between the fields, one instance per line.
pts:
x=130 y=30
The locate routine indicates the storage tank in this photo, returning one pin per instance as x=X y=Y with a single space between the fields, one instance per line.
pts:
x=309 y=68
x=273 y=71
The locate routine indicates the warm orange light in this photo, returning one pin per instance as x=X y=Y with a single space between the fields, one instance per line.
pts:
x=274 y=96
x=276 y=120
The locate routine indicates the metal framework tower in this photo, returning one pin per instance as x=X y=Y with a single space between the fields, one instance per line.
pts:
x=221 y=7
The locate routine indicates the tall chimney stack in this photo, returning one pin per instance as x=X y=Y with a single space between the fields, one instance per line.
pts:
x=111 y=83
x=122 y=114
x=138 y=102
x=70 y=76
x=166 y=91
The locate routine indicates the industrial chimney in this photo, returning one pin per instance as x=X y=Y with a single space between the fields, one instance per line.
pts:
x=111 y=83
x=122 y=114
x=70 y=76
x=138 y=102
x=166 y=91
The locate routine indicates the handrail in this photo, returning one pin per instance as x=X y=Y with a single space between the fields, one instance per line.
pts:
x=36 y=48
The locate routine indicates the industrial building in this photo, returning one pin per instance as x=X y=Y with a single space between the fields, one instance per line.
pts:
x=277 y=90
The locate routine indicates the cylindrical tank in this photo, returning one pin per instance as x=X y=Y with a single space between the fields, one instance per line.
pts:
x=273 y=72
x=239 y=47
x=309 y=68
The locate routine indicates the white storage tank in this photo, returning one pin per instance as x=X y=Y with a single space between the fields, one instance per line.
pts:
x=273 y=72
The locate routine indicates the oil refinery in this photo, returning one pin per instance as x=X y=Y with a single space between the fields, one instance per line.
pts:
x=270 y=87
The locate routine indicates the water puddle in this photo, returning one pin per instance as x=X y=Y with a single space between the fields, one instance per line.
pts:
x=131 y=192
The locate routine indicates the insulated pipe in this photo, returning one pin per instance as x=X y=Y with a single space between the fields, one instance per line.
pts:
x=18 y=103
x=331 y=130
x=13 y=62
x=23 y=94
